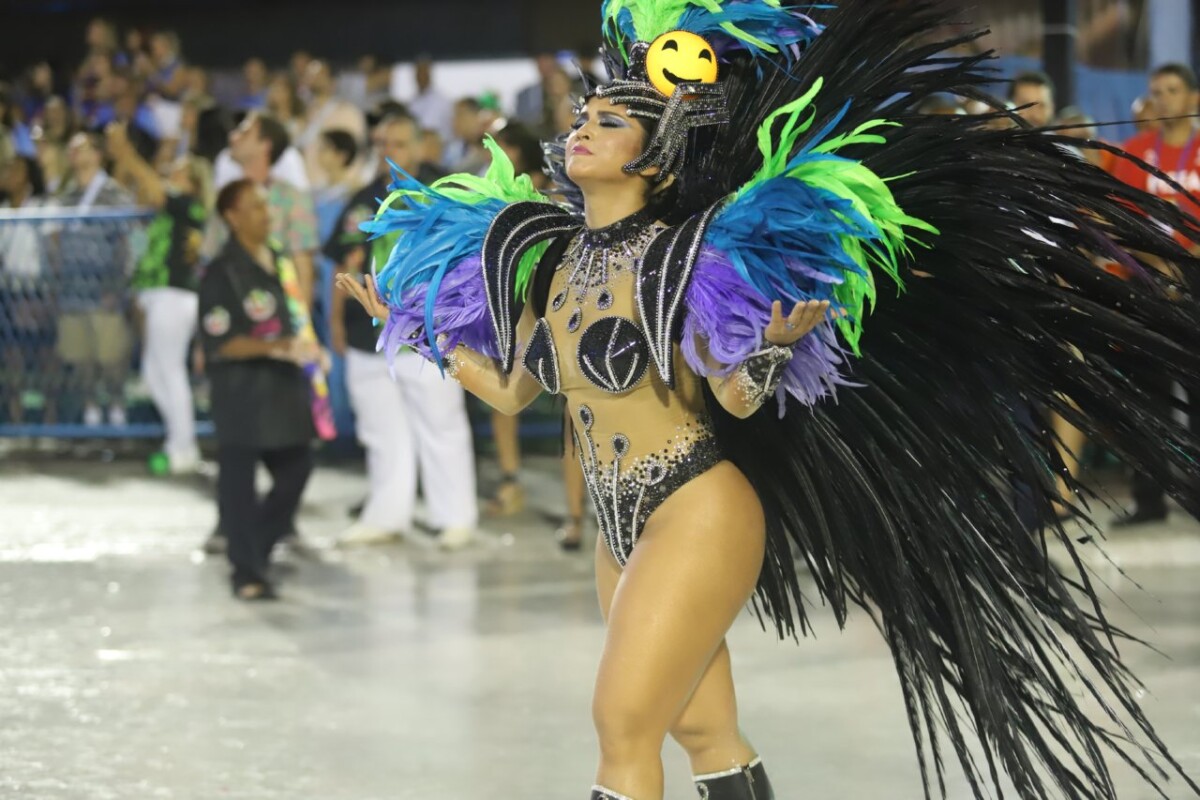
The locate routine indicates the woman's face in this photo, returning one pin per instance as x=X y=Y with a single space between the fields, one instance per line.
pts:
x=329 y=160
x=279 y=96
x=50 y=159
x=603 y=140
x=55 y=115
x=15 y=177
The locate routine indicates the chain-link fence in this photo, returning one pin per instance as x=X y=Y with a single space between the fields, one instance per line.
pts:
x=71 y=333
x=69 y=326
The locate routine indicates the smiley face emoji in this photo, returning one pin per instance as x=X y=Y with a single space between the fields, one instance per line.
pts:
x=680 y=57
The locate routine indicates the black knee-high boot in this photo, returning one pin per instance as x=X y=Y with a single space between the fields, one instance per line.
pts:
x=600 y=793
x=744 y=783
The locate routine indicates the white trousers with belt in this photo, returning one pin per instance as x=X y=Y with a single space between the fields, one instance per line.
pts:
x=170 y=324
x=413 y=425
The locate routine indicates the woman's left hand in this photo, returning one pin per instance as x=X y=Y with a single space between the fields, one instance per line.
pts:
x=801 y=322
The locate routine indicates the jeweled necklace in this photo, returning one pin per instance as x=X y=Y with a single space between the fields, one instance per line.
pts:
x=596 y=250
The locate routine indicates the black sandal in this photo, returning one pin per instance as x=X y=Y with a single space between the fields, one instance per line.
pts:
x=570 y=535
x=254 y=590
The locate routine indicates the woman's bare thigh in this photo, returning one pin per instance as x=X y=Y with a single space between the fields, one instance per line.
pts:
x=690 y=575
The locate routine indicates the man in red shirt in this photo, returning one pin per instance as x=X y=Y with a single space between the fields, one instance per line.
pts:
x=1174 y=147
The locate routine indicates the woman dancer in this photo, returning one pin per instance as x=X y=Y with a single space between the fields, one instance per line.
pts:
x=733 y=194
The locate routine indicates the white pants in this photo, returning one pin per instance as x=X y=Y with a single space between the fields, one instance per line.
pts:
x=170 y=323
x=417 y=421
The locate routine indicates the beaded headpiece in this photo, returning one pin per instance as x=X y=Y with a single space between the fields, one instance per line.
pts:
x=665 y=56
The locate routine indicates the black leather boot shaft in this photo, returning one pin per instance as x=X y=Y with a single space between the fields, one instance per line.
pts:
x=600 y=793
x=745 y=783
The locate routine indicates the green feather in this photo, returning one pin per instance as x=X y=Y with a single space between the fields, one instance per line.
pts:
x=867 y=193
x=499 y=183
x=653 y=18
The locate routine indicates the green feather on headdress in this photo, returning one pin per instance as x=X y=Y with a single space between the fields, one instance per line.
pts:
x=758 y=26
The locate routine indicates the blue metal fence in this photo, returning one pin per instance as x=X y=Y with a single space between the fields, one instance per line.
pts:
x=70 y=333
x=69 y=338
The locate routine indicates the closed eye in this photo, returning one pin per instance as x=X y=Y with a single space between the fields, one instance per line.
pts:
x=707 y=56
x=671 y=44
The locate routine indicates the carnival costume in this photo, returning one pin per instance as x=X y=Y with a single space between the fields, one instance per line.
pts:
x=966 y=305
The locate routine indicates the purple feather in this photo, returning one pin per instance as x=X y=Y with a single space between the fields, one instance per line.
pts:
x=460 y=314
x=728 y=316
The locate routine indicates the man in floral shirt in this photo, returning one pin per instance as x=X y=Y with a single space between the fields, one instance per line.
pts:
x=256 y=146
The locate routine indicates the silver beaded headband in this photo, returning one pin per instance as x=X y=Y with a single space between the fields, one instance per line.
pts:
x=690 y=106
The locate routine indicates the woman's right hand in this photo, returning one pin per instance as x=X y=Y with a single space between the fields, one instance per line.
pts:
x=366 y=295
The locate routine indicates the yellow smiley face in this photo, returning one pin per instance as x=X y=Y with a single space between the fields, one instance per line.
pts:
x=680 y=57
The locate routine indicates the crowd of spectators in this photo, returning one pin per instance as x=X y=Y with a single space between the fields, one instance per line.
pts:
x=76 y=140
x=136 y=129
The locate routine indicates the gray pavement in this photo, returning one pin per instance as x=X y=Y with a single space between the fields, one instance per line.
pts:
x=126 y=671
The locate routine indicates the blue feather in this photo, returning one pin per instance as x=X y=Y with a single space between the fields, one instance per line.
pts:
x=779 y=27
x=786 y=238
x=435 y=232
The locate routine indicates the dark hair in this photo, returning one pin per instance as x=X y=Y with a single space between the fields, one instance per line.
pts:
x=1181 y=71
x=525 y=142
x=385 y=108
x=33 y=174
x=343 y=143
x=228 y=197
x=398 y=117
x=273 y=131
x=171 y=37
x=93 y=138
x=1031 y=78
x=471 y=103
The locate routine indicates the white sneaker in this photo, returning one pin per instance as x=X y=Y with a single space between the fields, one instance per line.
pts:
x=455 y=538
x=116 y=417
x=363 y=535
x=185 y=463
x=92 y=416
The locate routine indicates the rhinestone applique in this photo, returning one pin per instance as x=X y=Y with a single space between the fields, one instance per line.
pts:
x=613 y=354
x=596 y=253
x=541 y=358
x=760 y=374
x=626 y=497
x=512 y=233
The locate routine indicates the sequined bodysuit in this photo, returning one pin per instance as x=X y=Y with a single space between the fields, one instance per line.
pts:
x=638 y=440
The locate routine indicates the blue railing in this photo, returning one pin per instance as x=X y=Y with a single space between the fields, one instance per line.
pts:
x=60 y=267
x=68 y=338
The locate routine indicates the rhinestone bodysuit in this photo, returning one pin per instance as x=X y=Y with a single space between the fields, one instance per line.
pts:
x=638 y=441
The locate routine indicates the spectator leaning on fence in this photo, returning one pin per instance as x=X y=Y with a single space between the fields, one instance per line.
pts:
x=260 y=395
x=26 y=326
x=166 y=281
x=92 y=264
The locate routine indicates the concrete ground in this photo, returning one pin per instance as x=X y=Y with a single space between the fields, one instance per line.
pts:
x=126 y=671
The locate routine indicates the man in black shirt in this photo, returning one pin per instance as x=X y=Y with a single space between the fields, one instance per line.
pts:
x=416 y=420
x=260 y=395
